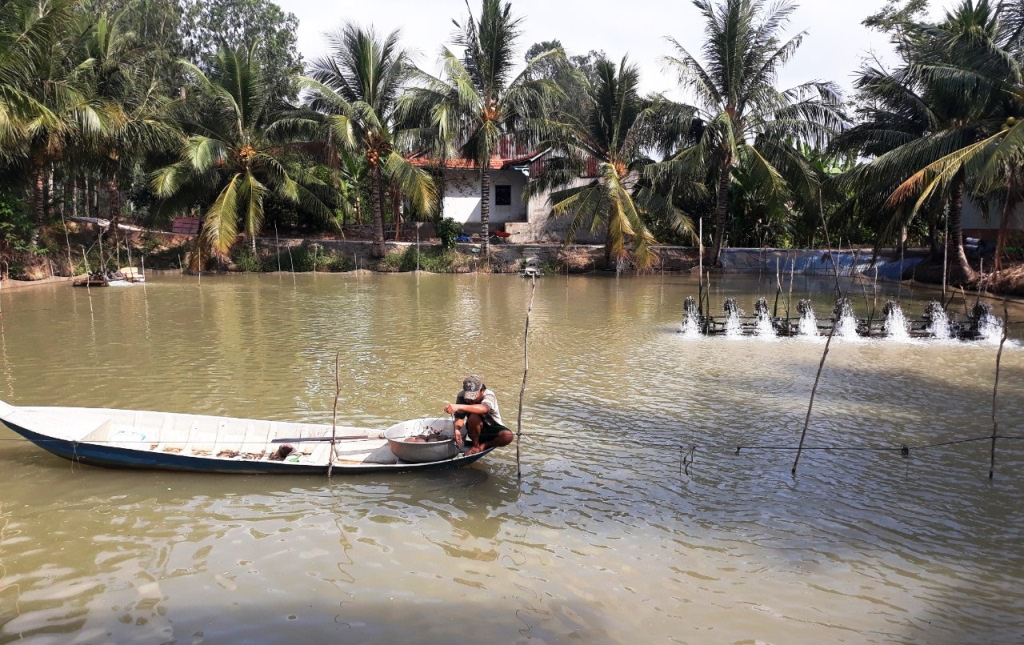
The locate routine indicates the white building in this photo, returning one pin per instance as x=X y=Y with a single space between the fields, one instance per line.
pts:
x=526 y=221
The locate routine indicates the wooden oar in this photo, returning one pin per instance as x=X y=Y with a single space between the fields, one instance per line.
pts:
x=327 y=438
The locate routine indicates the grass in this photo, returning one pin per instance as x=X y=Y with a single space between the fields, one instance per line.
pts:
x=432 y=260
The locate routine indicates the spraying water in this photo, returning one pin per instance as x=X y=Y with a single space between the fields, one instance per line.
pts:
x=691 y=326
x=846 y=326
x=987 y=324
x=733 y=329
x=938 y=321
x=808 y=322
x=763 y=325
x=896 y=325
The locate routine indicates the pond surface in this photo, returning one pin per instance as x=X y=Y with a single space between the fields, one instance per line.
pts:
x=605 y=539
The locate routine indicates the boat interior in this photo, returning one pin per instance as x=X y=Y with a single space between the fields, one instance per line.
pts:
x=206 y=436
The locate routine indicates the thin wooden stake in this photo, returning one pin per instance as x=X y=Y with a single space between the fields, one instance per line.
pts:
x=700 y=269
x=88 y=278
x=277 y=241
x=522 y=388
x=7 y=272
x=995 y=390
x=778 y=289
x=814 y=390
x=292 y=263
x=828 y=343
x=334 y=417
x=945 y=255
x=789 y=301
x=67 y=241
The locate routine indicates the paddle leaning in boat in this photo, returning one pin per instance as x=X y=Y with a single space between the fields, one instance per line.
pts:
x=198 y=443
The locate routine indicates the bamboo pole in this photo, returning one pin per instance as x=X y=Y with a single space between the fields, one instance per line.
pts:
x=789 y=301
x=88 y=278
x=778 y=289
x=67 y=241
x=277 y=242
x=7 y=273
x=700 y=269
x=828 y=344
x=334 y=416
x=995 y=390
x=291 y=261
x=945 y=255
x=522 y=387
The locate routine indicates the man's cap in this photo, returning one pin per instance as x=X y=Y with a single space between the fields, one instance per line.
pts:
x=472 y=383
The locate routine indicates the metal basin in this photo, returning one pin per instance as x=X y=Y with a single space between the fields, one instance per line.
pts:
x=422 y=452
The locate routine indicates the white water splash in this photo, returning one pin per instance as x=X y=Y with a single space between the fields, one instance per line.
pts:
x=939 y=326
x=896 y=325
x=763 y=325
x=990 y=328
x=808 y=324
x=690 y=327
x=733 y=328
x=847 y=327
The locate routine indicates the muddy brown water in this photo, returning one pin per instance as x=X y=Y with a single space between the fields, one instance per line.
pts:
x=605 y=539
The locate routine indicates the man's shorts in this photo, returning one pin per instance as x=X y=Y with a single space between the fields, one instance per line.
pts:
x=491 y=428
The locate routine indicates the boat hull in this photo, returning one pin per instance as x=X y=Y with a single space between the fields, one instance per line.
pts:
x=126 y=458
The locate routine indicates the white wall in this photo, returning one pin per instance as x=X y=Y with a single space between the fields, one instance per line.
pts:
x=462 y=196
x=974 y=218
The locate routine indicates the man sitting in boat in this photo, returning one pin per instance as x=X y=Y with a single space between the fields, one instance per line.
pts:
x=476 y=413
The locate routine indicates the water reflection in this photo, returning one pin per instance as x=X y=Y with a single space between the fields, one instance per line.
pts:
x=605 y=538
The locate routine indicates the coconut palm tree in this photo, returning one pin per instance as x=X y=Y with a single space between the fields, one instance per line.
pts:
x=968 y=90
x=28 y=30
x=747 y=120
x=237 y=153
x=619 y=128
x=480 y=100
x=356 y=89
x=67 y=119
x=122 y=74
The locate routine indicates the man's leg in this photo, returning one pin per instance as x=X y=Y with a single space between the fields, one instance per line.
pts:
x=474 y=425
x=501 y=438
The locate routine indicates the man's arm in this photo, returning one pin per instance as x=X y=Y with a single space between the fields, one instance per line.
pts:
x=475 y=408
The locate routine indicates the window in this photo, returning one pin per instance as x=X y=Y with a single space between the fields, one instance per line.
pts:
x=503 y=195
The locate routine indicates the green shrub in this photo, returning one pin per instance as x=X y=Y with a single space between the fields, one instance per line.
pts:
x=15 y=226
x=432 y=260
x=448 y=230
x=247 y=261
x=309 y=256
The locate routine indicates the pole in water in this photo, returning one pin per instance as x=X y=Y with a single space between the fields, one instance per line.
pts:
x=828 y=343
x=334 y=417
x=277 y=242
x=995 y=390
x=700 y=267
x=7 y=273
x=522 y=388
x=88 y=278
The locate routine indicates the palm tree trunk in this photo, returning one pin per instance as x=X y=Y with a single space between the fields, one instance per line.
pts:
x=377 y=250
x=38 y=199
x=396 y=208
x=721 y=215
x=94 y=198
x=933 y=234
x=960 y=269
x=114 y=199
x=1009 y=206
x=485 y=206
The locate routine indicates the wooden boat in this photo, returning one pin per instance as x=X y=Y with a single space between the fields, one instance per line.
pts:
x=199 y=443
x=123 y=277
